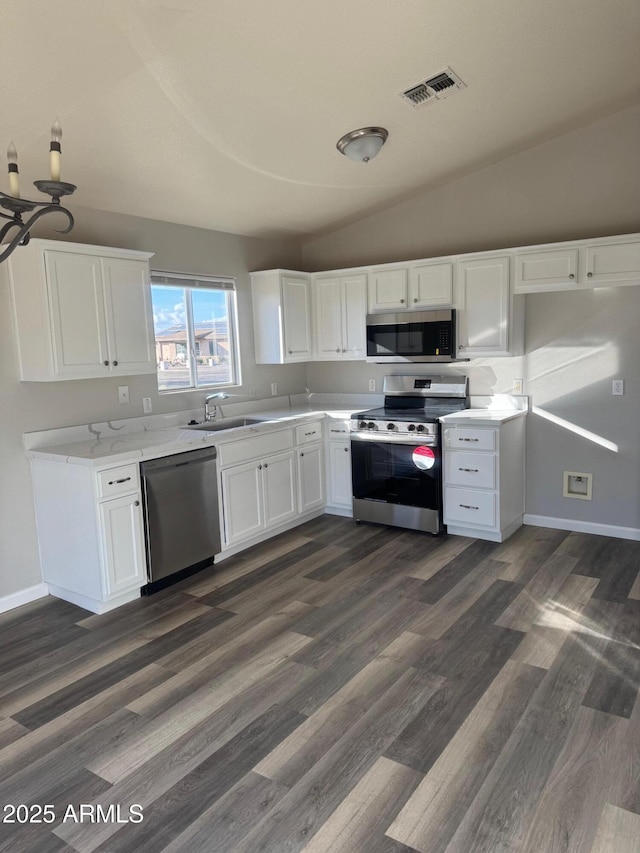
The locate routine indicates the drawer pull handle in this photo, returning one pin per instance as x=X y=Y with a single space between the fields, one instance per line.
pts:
x=469 y=470
x=469 y=439
x=123 y=480
x=310 y=433
x=468 y=506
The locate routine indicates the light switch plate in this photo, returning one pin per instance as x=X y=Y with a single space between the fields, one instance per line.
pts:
x=274 y=389
x=147 y=408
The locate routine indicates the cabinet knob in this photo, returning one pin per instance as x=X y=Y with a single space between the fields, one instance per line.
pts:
x=290 y=352
x=136 y=503
x=346 y=449
x=115 y=363
x=302 y=454
x=415 y=300
x=344 y=350
x=402 y=301
x=106 y=363
x=337 y=349
x=589 y=275
x=571 y=275
x=460 y=347
x=266 y=464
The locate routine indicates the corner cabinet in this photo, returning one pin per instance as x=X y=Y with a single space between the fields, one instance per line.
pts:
x=281 y=316
x=81 y=312
x=103 y=564
x=340 y=307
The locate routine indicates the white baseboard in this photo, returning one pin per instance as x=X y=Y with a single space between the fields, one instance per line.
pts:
x=583 y=526
x=24 y=596
x=339 y=510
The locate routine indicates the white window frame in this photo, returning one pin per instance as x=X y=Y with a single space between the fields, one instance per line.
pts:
x=194 y=282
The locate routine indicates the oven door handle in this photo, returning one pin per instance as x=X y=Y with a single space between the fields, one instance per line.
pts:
x=391 y=438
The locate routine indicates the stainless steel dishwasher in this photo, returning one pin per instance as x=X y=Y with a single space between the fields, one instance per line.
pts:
x=182 y=530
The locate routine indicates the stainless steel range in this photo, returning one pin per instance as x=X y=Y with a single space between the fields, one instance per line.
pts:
x=396 y=460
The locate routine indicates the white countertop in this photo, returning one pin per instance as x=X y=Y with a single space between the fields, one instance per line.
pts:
x=124 y=447
x=481 y=417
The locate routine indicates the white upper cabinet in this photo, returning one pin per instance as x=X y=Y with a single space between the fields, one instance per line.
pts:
x=281 y=316
x=81 y=311
x=431 y=285
x=608 y=261
x=340 y=314
x=540 y=270
x=413 y=288
x=388 y=290
x=613 y=263
x=483 y=307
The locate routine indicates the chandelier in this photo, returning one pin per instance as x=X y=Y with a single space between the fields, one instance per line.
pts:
x=55 y=188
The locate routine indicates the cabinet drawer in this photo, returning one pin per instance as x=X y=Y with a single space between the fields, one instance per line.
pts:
x=477 y=470
x=253 y=448
x=306 y=433
x=118 y=481
x=468 y=506
x=468 y=438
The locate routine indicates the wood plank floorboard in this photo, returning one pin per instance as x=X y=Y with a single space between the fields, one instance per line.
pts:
x=341 y=688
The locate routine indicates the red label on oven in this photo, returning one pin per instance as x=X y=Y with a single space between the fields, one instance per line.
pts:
x=424 y=458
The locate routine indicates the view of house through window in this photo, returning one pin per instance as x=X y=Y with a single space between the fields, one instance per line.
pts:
x=194 y=324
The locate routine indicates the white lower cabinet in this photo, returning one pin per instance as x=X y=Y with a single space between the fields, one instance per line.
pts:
x=310 y=477
x=339 y=490
x=258 y=495
x=280 y=485
x=90 y=532
x=484 y=479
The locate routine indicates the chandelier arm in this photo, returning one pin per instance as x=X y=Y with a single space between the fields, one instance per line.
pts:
x=25 y=227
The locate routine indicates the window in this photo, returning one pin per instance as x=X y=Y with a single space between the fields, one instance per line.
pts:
x=194 y=321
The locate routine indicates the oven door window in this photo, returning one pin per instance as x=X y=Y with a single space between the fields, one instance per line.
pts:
x=396 y=473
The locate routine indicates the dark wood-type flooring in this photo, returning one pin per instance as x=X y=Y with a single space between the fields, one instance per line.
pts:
x=338 y=688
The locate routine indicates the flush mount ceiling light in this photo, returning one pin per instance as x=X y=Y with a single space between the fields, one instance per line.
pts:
x=55 y=188
x=362 y=145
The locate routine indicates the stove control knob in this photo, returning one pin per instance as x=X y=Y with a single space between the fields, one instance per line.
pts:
x=411 y=427
x=391 y=426
x=362 y=425
x=420 y=427
x=371 y=425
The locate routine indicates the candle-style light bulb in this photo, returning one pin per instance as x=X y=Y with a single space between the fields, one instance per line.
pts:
x=56 y=136
x=12 y=157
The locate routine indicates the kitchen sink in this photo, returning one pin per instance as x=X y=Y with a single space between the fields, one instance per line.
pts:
x=228 y=423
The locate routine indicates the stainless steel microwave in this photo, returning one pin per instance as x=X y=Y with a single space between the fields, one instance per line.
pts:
x=419 y=336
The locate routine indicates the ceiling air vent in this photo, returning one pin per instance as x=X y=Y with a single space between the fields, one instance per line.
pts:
x=435 y=88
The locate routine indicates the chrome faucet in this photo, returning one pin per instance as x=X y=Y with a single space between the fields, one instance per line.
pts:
x=211 y=410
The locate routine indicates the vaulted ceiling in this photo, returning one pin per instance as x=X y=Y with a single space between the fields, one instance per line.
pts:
x=225 y=114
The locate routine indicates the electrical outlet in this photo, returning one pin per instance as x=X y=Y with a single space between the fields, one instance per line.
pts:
x=517 y=386
x=617 y=387
x=123 y=393
x=147 y=408
x=274 y=389
x=372 y=385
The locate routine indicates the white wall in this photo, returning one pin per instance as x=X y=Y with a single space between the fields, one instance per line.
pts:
x=585 y=183
x=28 y=406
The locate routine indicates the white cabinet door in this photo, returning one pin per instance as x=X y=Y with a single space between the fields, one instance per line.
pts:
x=483 y=313
x=311 y=477
x=339 y=487
x=354 y=317
x=127 y=298
x=123 y=542
x=431 y=285
x=296 y=319
x=546 y=270
x=616 y=262
x=279 y=490
x=76 y=308
x=242 y=502
x=388 y=290
x=328 y=318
